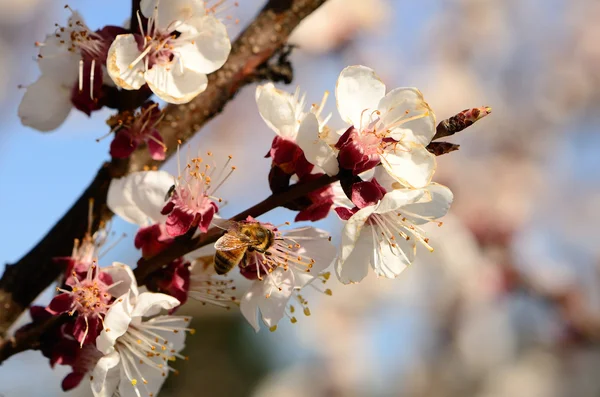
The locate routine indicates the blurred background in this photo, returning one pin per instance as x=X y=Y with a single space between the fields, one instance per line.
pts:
x=509 y=302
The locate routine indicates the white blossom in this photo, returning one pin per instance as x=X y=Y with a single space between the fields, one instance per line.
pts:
x=296 y=259
x=286 y=114
x=384 y=236
x=396 y=127
x=182 y=44
x=137 y=351
x=140 y=196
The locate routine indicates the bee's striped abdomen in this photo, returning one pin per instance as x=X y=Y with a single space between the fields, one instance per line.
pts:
x=227 y=260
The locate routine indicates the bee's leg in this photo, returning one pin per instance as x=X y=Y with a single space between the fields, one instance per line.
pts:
x=262 y=251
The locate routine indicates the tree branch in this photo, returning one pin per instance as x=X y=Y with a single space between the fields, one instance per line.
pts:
x=28 y=277
x=185 y=245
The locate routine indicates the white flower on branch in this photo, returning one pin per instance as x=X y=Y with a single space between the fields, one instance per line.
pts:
x=137 y=350
x=383 y=229
x=182 y=203
x=392 y=128
x=140 y=196
x=206 y=286
x=181 y=45
x=296 y=258
x=73 y=64
x=286 y=114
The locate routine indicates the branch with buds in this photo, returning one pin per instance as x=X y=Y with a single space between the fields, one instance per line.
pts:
x=186 y=243
x=250 y=52
x=376 y=174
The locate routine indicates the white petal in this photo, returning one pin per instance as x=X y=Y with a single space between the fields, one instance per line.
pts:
x=150 y=304
x=433 y=205
x=339 y=197
x=277 y=110
x=396 y=199
x=331 y=136
x=175 y=83
x=411 y=165
x=212 y=44
x=45 y=105
x=105 y=376
x=121 y=54
x=354 y=265
x=385 y=179
x=123 y=275
x=354 y=272
x=358 y=88
x=116 y=322
x=276 y=292
x=316 y=150
x=120 y=201
x=405 y=112
x=147 y=7
x=249 y=304
x=391 y=261
x=149 y=191
x=57 y=63
x=315 y=244
x=176 y=14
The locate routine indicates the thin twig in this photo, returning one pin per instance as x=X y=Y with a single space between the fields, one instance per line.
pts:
x=183 y=246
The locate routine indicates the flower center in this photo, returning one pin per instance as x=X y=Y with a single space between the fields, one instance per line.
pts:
x=90 y=295
x=144 y=344
x=391 y=225
x=208 y=289
x=285 y=253
x=195 y=190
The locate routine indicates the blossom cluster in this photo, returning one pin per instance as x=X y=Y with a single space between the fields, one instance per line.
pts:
x=375 y=173
x=381 y=157
x=114 y=334
x=170 y=51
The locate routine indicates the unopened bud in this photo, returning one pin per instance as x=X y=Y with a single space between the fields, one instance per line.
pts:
x=439 y=148
x=461 y=121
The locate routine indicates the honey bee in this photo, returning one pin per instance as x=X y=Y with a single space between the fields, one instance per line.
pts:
x=241 y=238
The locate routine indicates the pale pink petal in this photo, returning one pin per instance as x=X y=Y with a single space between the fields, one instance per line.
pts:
x=358 y=88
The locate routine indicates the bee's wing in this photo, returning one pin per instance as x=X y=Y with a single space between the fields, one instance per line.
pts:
x=224 y=224
x=231 y=241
